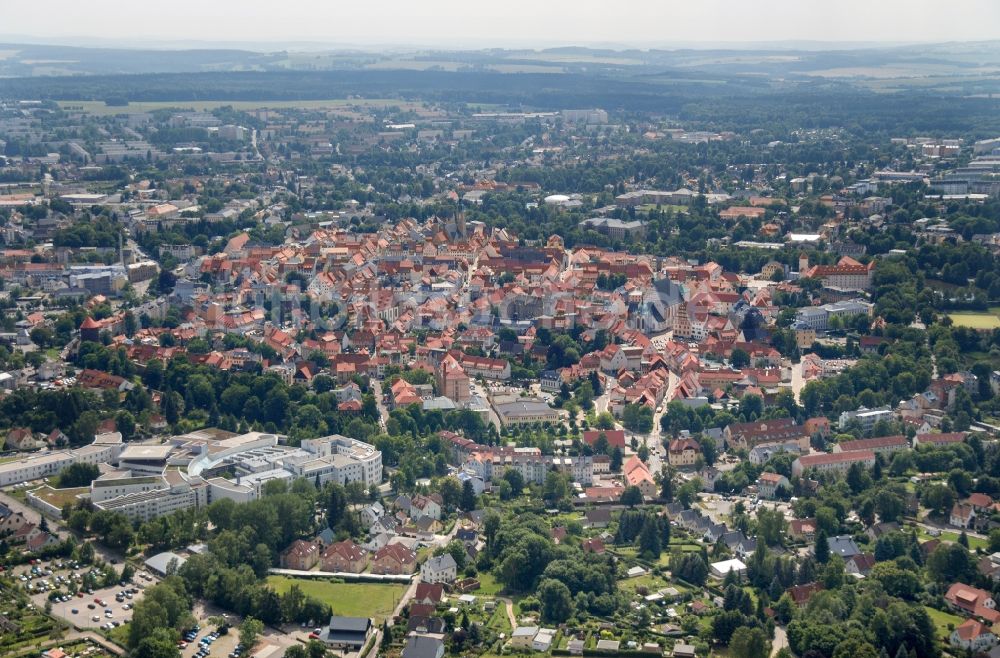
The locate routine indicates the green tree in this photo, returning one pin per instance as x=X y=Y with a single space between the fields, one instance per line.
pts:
x=556 y=488
x=616 y=460
x=451 y=492
x=770 y=526
x=739 y=358
x=250 y=630
x=158 y=643
x=515 y=480
x=822 y=550
x=468 y=500
x=78 y=475
x=949 y=563
x=650 y=545
x=749 y=642
x=632 y=496
x=556 y=600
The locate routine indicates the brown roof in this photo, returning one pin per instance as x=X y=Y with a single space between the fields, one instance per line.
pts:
x=802 y=593
x=809 y=461
x=874 y=444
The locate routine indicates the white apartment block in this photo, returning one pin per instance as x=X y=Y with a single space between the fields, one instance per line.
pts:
x=47 y=464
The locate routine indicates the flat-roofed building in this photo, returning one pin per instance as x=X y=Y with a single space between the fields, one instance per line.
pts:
x=33 y=467
x=145 y=459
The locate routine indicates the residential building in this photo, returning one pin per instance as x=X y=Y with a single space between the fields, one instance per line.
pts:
x=769 y=483
x=973 y=636
x=439 y=569
x=884 y=445
x=865 y=417
x=836 y=462
x=683 y=453
x=301 y=555
x=423 y=646
x=637 y=475
x=972 y=601
x=344 y=556
x=393 y=559
x=347 y=633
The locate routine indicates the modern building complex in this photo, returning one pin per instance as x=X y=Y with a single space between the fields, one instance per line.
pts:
x=151 y=480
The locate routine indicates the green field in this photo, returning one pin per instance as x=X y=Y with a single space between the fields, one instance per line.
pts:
x=948 y=535
x=942 y=620
x=376 y=600
x=101 y=109
x=488 y=585
x=977 y=320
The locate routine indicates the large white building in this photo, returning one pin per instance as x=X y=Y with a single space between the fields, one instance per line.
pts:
x=337 y=459
x=154 y=479
x=150 y=497
x=50 y=463
x=865 y=417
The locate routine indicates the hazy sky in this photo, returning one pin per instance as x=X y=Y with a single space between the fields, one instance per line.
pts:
x=450 y=23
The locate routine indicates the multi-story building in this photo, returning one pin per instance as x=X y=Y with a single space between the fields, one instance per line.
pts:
x=883 y=445
x=344 y=556
x=847 y=274
x=301 y=555
x=866 y=418
x=769 y=483
x=393 y=559
x=452 y=380
x=337 y=459
x=439 y=569
x=637 y=475
x=837 y=462
x=683 y=452
x=34 y=467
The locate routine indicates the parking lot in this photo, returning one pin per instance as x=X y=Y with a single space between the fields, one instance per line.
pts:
x=207 y=642
x=82 y=606
x=97 y=610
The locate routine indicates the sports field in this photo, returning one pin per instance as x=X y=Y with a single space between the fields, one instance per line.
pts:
x=977 y=320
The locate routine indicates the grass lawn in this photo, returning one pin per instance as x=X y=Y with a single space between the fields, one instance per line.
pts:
x=973 y=320
x=948 y=535
x=942 y=619
x=488 y=585
x=685 y=547
x=498 y=620
x=376 y=600
x=650 y=581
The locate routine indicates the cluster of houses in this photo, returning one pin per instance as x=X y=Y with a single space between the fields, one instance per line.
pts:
x=390 y=549
x=16 y=529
